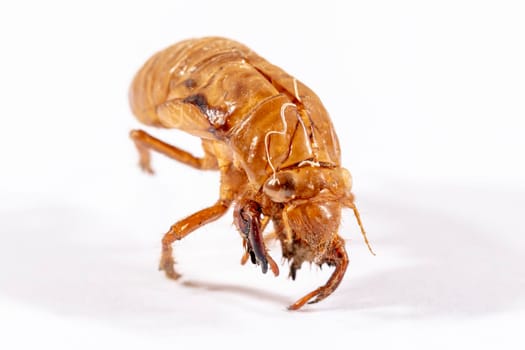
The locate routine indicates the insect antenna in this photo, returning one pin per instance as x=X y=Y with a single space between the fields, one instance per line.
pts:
x=363 y=232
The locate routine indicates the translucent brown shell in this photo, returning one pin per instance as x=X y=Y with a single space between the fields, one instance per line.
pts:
x=268 y=135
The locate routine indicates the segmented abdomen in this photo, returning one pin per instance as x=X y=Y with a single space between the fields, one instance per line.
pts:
x=219 y=89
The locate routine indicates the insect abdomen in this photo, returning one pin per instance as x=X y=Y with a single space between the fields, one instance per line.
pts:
x=218 y=89
x=210 y=73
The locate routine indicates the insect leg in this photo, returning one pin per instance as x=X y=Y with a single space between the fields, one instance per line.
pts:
x=184 y=227
x=145 y=142
x=271 y=236
x=338 y=257
x=247 y=218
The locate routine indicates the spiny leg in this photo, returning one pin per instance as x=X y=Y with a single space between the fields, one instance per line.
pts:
x=264 y=223
x=145 y=142
x=185 y=226
x=247 y=218
x=338 y=257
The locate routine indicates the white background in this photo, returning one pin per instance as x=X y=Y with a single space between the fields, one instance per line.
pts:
x=428 y=101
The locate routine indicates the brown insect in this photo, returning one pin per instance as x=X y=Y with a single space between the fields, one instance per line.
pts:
x=272 y=141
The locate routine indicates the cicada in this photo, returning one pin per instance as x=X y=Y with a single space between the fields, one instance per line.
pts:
x=270 y=138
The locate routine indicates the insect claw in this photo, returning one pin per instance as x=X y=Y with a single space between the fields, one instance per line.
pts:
x=265 y=261
x=292 y=273
x=248 y=222
x=264 y=266
x=147 y=169
x=273 y=266
x=169 y=271
x=245 y=257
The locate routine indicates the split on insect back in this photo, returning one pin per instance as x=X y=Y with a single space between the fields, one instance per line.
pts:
x=270 y=138
x=282 y=132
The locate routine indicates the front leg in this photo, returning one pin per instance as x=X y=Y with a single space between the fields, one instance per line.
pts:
x=335 y=256
x=247 y=218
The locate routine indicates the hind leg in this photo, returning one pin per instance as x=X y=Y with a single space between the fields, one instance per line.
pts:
x=336 y=256
x=145 y=143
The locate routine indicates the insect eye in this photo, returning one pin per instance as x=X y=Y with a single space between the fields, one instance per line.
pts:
x=280 y=188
